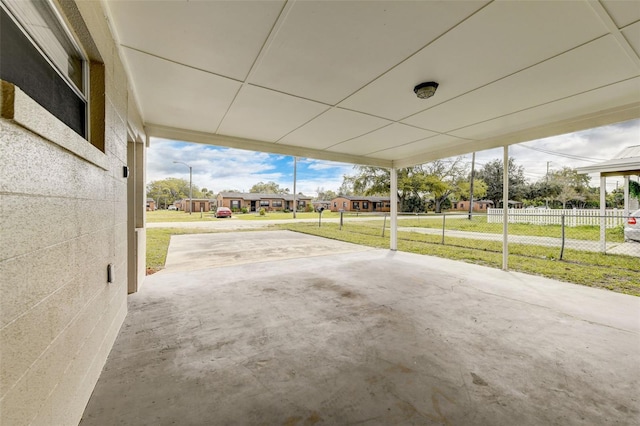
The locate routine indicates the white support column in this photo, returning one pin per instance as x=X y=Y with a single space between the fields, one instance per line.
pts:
x=393 y=245
x=505 y=210
x=603 y=207
x=626 y=196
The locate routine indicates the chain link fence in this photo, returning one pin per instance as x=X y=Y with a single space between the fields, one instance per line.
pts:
x=563 y=235
x=566 y=250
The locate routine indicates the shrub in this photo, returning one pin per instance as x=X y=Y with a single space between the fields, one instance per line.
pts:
x=309 y=208
x=263 y=212
x=286 y=211
x=244 y=210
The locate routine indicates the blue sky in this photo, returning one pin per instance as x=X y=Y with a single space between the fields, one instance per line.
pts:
x=221 y=169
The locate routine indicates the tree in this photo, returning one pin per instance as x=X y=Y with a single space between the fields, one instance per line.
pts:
x=268 y=188
x=169 y=190
x=369 y=180
x=569 y=185
x=376 y=181
x=491 y=174
x=206 y=193
x=615 y=199
x=443 y=178
x=463 y=191
x=346 y=189
x=434 y=181
x=325 y=194
x=413 y=204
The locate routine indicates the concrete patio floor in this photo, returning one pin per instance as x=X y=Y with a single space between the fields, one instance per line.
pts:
x=367 y=337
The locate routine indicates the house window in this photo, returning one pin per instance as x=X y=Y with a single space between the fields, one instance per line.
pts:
x=365 y=205
x=276 y=203
x=235 y=204
x=344 y=204
x=38 y=51
x=302 y=203
x=264 y=203
x=335 y=204
x=356 y=205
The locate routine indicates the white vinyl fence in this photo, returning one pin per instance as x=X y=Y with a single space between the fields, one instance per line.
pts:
x=572 y=217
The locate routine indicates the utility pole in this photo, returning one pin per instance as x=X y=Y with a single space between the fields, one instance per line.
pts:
x=473 y=172
x=546 y=199
x=190 y=180
x=295 y=203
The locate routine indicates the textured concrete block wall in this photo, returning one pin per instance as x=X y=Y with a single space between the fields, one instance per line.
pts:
x=63 y=220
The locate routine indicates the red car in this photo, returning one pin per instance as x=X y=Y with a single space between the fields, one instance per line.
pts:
x=223 y=212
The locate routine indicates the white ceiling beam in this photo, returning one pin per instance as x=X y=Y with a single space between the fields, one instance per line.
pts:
x=172 y=133
x=588 y=121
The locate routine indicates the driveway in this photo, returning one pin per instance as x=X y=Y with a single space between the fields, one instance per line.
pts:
x=367 y=337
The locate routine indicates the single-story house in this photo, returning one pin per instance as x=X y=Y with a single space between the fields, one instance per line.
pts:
x=478 y=206
x=255 y=201
x=325 y=204
x=197 y=204
x=151 y=204
x=361 y=204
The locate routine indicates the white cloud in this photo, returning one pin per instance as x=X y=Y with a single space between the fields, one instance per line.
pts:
x=598 y=144
x=214 y=168
x=224 y=168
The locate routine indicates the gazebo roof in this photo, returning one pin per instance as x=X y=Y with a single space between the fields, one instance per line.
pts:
x=627 y=162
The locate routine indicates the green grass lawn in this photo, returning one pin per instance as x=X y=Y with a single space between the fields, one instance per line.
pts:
x=613 y=272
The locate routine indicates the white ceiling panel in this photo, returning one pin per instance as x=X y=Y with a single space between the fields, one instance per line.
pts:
x=632 y=34
x=590 y=102
x=267 y=115
x=563 y=76
x=172 y=95
x=326 y=50
x=384 y=138
x=436 y=143
x=623 y=12
x=261 y=74
x=501 y=39
x=223 y=37
x=332 y=127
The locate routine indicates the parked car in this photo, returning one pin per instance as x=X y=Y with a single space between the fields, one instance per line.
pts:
x=223 y=212
x=172 y=207
x=632 y=228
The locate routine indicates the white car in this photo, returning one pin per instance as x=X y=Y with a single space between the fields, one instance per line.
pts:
x=632 y=227
x=172 y=207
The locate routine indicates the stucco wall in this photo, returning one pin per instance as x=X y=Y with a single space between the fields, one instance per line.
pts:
x=63 y=219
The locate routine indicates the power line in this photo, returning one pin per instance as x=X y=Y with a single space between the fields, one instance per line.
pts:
x=561 y=154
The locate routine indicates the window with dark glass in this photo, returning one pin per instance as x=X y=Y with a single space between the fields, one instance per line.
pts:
x=276 y=203
x=39 y=54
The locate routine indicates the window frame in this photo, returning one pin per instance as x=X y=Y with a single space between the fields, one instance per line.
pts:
x=82 y=94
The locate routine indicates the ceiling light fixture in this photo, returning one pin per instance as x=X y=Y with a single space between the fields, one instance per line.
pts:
x=425 y=90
